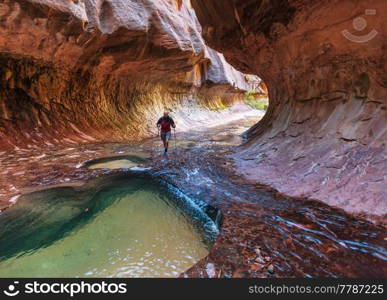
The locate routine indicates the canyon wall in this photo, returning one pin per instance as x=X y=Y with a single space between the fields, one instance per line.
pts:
x=325 y=64
x=75 y=71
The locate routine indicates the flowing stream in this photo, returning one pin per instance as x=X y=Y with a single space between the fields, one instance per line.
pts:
x=81 y=223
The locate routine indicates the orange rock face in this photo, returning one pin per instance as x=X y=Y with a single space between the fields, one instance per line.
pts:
x=325 y=65
x=104 y=70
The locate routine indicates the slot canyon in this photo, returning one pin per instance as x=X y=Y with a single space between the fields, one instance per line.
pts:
x=298 y=190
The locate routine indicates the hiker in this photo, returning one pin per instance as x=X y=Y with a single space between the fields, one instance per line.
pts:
x=165 y=123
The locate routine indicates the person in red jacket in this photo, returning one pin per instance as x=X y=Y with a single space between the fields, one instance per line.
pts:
x=165 y=123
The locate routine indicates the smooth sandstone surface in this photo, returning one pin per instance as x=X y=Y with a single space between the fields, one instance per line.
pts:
x=324 y=63
x=90 y=71
x=93 y=70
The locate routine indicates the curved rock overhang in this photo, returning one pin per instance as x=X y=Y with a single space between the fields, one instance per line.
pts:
x=325 y=64
x=102 y=70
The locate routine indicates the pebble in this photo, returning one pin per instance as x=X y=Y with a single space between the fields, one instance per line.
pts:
x=270 y=269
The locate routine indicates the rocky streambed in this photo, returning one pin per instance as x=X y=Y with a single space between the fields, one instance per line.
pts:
x=263 y=233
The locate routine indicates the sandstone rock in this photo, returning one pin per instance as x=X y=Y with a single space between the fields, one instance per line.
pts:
x=327 y=89
x=94 y=70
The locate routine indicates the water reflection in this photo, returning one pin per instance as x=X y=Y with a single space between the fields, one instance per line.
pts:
x=117 y=227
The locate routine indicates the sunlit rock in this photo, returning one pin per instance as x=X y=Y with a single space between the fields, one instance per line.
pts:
x=86 y=71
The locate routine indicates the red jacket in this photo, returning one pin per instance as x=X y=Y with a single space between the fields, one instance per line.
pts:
x=165 y=124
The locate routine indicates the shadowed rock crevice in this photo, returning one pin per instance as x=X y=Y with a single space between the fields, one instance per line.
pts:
x=106 y=18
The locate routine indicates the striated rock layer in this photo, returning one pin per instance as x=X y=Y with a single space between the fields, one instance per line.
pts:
x=102 y=70
x=325 y=65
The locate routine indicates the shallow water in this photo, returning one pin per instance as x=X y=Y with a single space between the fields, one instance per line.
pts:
x=115 y=164
x=122 y=228
x=299 y=238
